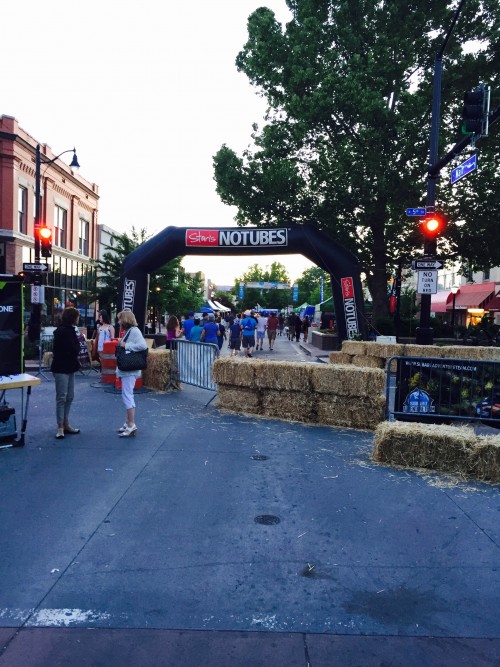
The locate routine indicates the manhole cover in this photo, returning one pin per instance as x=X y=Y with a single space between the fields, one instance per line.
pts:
x=267 y=519
x=259 y=457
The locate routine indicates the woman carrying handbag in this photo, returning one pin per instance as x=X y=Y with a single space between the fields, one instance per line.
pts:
x=132 y=341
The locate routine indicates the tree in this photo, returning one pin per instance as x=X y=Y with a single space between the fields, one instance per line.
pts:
x=346 y=134
x=269 y=297
x=170 y=288
x=309 y=286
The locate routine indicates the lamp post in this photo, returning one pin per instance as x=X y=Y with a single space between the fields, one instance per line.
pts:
x=454 y=291
x=35 y=320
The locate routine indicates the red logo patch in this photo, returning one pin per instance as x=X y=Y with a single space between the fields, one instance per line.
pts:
x=202 y=237
x=347 y=288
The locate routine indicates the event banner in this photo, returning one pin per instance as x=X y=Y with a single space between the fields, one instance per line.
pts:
x=11 y=328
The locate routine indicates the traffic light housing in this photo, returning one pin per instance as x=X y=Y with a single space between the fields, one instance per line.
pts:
x=476 y=110
x=432 y=226
x=45 y=236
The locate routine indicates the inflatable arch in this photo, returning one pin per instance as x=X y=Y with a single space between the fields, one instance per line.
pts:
x=304 y=240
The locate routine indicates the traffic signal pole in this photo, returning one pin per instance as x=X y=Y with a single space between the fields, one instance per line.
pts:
x=424 y=333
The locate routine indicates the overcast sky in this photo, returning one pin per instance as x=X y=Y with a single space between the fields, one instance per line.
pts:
x=147 y=92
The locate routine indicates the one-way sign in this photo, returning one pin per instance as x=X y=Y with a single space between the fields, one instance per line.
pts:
x=422 y=264
x=35 y=267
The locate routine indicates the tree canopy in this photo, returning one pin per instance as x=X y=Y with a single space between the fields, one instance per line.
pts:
x=268 y=297
x=345 y=141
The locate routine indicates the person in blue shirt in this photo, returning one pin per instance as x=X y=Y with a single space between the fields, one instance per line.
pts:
x=248 y=325
x=211 y=331
x=188 y=324
x=196 y=330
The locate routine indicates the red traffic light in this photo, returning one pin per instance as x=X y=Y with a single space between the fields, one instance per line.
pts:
x=433 y=225
x=45 y=235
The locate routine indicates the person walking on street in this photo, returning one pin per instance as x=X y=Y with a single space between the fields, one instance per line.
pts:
x=272 y=327
x=132 y=341
x=187 y=325
x=211 y=331
x=235 y=337
x=64 y=366
x=298 y=328
x=261 y=330
x=105 y=331
x=291 y=326
x=281 y=324
x=196 y=330
x=173 y=328
x=248 y=325
x=305 y=327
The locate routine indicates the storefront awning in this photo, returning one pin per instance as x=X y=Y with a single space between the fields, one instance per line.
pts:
x=474 y=296
x=440 y=300
x=494 y=304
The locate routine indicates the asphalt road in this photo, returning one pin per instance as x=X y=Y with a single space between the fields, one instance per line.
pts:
x=220 y=539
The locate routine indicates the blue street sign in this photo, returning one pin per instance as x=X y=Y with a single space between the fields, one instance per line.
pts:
x=464 y=169
x=415 y=211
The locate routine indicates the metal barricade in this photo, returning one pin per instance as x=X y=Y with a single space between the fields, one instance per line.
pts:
x=191 y=363
x=437 y=390
x=45 y=349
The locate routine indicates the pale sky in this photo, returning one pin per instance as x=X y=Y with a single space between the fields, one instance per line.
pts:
x=147 y=93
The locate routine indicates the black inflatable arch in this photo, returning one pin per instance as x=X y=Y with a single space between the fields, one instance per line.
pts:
x=305 y=240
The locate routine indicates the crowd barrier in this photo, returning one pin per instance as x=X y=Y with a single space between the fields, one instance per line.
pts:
x=192 y=363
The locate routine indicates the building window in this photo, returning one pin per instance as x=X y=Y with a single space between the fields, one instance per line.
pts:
x=22 y=201
x=486 y=274
x=83 y=240
x=60 y=226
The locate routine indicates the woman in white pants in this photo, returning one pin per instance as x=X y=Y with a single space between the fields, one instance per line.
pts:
x=133 y=341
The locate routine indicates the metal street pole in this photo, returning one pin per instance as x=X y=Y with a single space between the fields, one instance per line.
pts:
x=425 y=333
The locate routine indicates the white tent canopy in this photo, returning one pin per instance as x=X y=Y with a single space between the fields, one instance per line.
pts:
x=215 y=305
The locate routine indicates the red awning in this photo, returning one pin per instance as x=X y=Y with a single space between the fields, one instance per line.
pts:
x=440 y=300
x=494 y=304
x=474 y=296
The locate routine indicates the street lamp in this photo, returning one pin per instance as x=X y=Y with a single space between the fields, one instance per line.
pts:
x=38 y=163
x=454 y=291
x=35 y=320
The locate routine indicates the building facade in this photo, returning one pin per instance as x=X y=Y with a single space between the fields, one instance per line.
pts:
x=68 y=206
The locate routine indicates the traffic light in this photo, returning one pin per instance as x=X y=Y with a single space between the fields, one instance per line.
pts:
x=432 y=226
x=476 y=110
x=45 y=235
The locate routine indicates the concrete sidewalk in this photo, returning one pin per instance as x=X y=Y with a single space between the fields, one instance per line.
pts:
x=219 y=539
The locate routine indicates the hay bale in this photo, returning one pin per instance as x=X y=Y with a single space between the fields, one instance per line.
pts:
x=157 y=374
x=239 y=399
x=347 y=380
x=334 y=411
x=385 y=350
x=489 y=353
x=354 y=347
x=234 y=371
x=368 y=362
x=431 y=351
x=485 y=459
x=289 y=405
x=339 y=358
x=283 y=375
x=416 y=445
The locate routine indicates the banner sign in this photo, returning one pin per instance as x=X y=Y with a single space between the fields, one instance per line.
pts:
x=321 y=289
x=241 y=291
x=350 y=310
x=227 y=238
x=11 y=328
x=295 y=293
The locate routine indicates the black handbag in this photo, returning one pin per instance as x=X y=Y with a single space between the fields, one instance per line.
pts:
x=131 y=361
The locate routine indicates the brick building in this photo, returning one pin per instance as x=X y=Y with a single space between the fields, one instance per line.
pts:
x=68 y=205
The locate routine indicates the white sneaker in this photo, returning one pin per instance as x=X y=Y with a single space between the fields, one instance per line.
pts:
x=129 y=431
x=123 y=428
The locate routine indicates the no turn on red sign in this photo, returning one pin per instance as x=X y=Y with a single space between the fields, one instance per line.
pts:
x=427 y=282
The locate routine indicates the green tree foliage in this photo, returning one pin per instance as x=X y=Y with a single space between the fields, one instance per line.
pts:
x=345 y=142
x=309 y=286
x=267 y=298
x=170 y=288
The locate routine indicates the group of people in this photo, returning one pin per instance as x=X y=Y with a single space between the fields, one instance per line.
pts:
x=296 y=326
x=65 y=364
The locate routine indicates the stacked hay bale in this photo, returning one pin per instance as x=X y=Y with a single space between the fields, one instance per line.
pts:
x=305 y=392
x=375 y=355
x=349 y=395
x=157 y=374
x=438 y=447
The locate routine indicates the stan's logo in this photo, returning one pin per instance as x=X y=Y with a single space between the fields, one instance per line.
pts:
x=202 y=237
x=128 y=294
x=351 y=315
